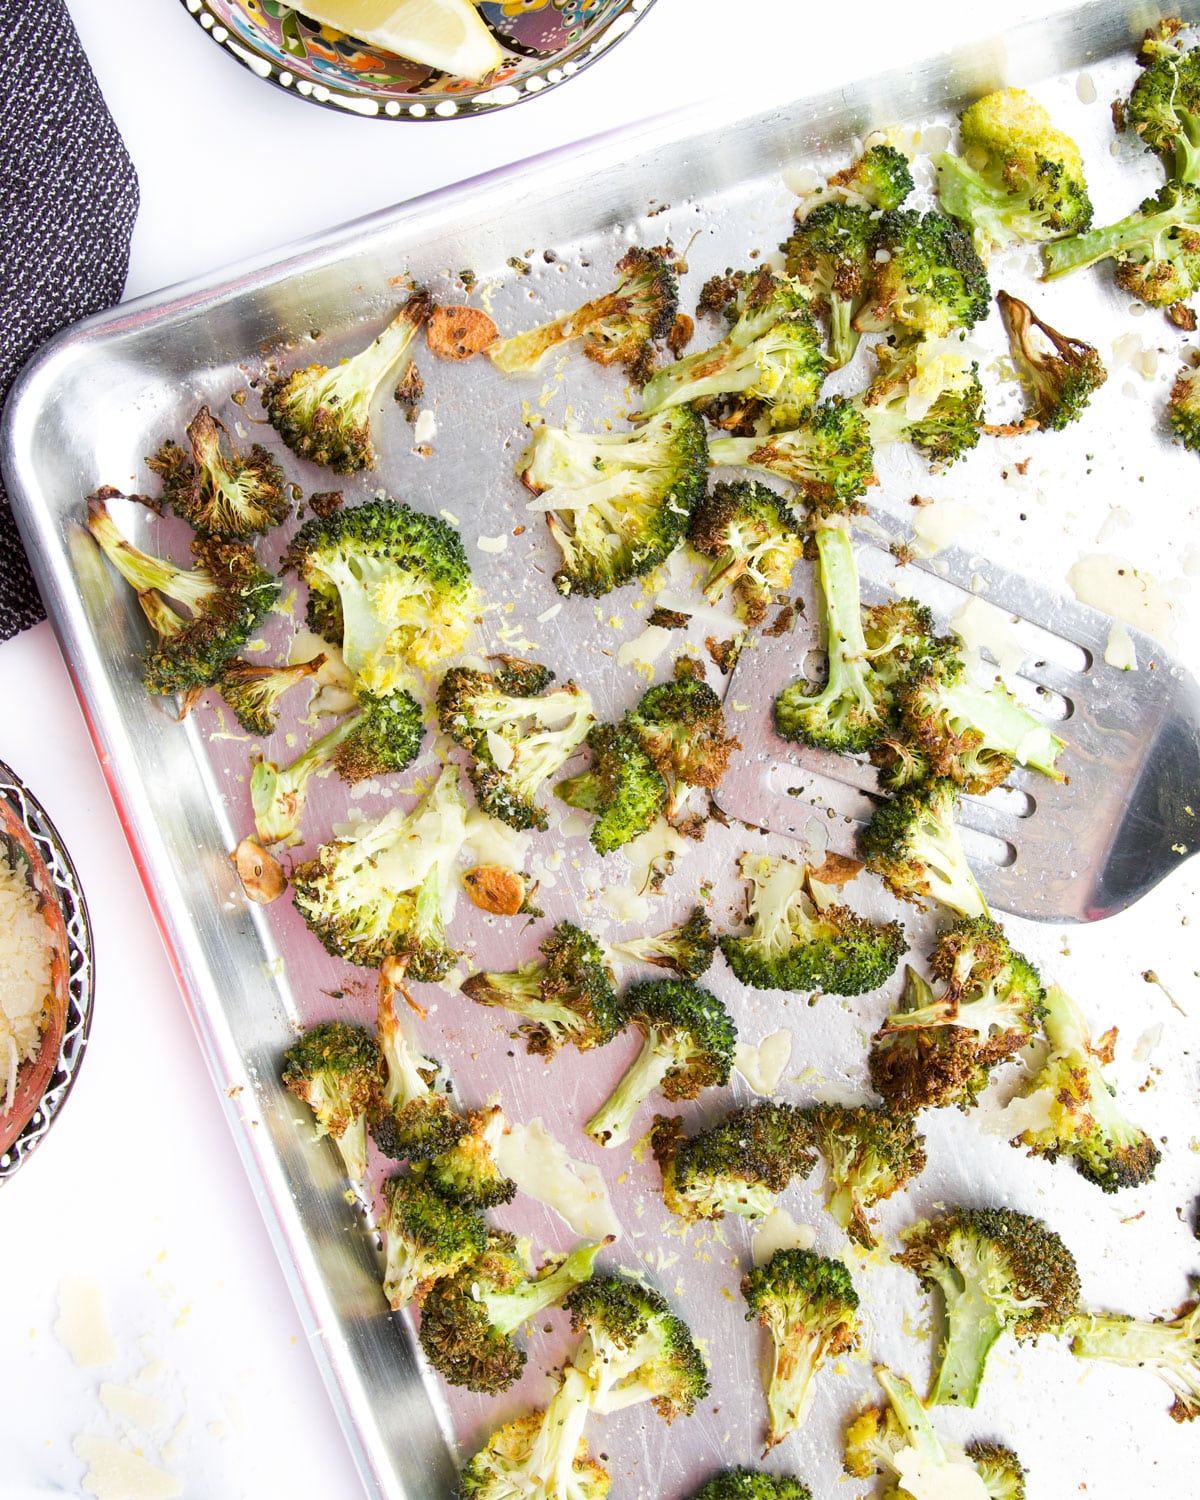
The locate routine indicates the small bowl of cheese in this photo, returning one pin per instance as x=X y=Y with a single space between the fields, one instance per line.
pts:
x=46 y=976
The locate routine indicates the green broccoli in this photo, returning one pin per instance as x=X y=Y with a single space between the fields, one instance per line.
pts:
x=335 y=1069
x=1183 y=407
x=1070 y=1108
x=426 y=1237
x=810 y=1307
x=927 y=394
x=1018 y=178
x=517 y=730
x=1168 y=1346
x=793 y=944
x=1058 y=382
x=688 y=1045
x=829 y=253
x=467 y=1172
x=253 y=692
x=220 y=493
x=687 y=949
x=412 y=1118
x=390 y=585
x=620 y=327
x=929 y=1067
x=912 y=844
x=623 y=788
x=385 y=888
x=880 y=177
x=829 y=457
x=998 y=1271
x=925 y=279
x=737 y=1166
x=681 y=727
x=226 y=596
x=1000 y=1469
x=325 y=414
x=752 y=1484
x=1163 y=107
x=869 y=1155
x=542 y=1453
x=754 y=541
x=1156 y=248
x=616 y=503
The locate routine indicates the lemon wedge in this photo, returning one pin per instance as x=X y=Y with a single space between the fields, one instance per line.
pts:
x=445 y=34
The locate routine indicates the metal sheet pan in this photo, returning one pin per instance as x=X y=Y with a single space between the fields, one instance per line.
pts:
x=717 y=183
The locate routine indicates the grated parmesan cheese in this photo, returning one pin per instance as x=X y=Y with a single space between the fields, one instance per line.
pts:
x=25 y=952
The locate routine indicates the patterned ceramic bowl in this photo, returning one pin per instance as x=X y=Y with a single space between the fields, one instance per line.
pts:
x=29 y=843
x=545 y=43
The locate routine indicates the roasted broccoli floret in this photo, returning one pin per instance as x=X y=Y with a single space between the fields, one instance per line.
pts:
x=1018 y=177
x=829 y=252
x=335 y=1069
x=869 y=1155
x=218 y=491
x=1000 y=1469
x=253 y=692
x=1156 y=248
x=543 y=1454
x=998 y=1271
x=912 y=844
x=688 y=949
x=809 y=1306
x=616 y=503
x=1069 y=1108
x=754 y=541
x=926 y=278
x=829 y=457
x=1058 y=381
x=426 y=1237
x=382 y=736
x=771 y=354
x=620 y=327
x=681 y=726
x=1183 y=407
x=737 y=1166
x=388 y=584
x=634 y=1348
x=688 y=1044
x=412 y=1118
x=566 y=996
x=468 y=1320
x=881 y=177
x=622 y=787
x=793 y=944
x=1163 y=107
x=468 y=1172
x=751 y=1484
x=325 y=414
x=928 y=1067
x=927 y=394
x=385 y=888
x=1168 y=1346
x=518 y=732
x=226 y=595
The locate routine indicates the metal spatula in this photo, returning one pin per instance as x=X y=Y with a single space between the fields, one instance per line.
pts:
x=1128 y=813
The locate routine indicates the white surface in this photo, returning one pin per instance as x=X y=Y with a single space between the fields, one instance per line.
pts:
x=138 y=1185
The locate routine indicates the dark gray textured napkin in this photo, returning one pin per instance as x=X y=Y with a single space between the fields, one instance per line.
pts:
x=68 y=198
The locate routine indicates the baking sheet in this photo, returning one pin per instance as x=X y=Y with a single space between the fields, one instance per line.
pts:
x=721 y=191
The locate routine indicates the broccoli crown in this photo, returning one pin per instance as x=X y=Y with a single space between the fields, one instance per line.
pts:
x=989 y=987
x=912 y=844
x=335 y=1068
x=1000 y=1469
x=688 y=1045
x=566 y=997
x=771 y=354
x=881 y=176
x=427 y=1237
x=1058 y=382
x=387 y=583
x=1156 y=248
x=925 y=1067
x=736 y=1166
x=926 y=394
x=1019 y=177
x=754 y=540
x=420 y=1129
x=1163 y=107
x=688 y=949
x=1080 y=1116
x=622 y=787
x=217 y=490
x=752 y=1484
x=1183 y=407
x=1168 y=1346
x=619 y=327
x=540 y=1453
x=617 y=503
x=810 y=1307
x=829 y=457
x=829 y=253
x=681 y=727
x=926 y=277
x=467 y=1172
x=870 y=1154
x=793 y=945
x=517 y=736
x=998 y=1270
x=325 y=414
x=253 y=692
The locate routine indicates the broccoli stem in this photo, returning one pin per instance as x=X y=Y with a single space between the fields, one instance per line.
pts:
x=974 y=1326
x=1133 y=233
x=552 y=1460
x=609 y=1126
x=790 y=1390
x=1004 y=724
x=843 y=336
x=507 y=1311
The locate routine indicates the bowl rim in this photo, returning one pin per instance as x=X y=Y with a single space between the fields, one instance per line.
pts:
x=78 y=977
x=360 y=102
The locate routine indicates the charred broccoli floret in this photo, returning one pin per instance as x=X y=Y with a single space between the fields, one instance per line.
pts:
x=335 y=1069
x=390 y=585
x=426 y=1237
x=737 y=1166
x=385 y=888
x=881 y=177
x=998 y=1271
x=810 y=1307
x=869 y=1155
x=1001 y=1470
x=1163 y=107
x=1156 y=248
x=226 y=595
x=751 y=1484
x=927 y=394
x=1168 y=1346
x=253 y=692
x=467 y=1172
x=518 y=731
x=829 y=457
x=912 y=844
x=754 y=541
x=688 y=949
x=1059 y=381
x=566 y=996
x=688 y=1044
x=771 y=354
x=1070 y=1110
x=927 y=1067
x=324 y=414
x=617 y=503
x=829 y=253
x=620 y=327
x=412 y=1118
x=541 y=1454
x=1018 y=177
x=793 y=944
x=215 y=489
x=926 y=278
x=622 y=787
x=1183 y=407
x=681 y=726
